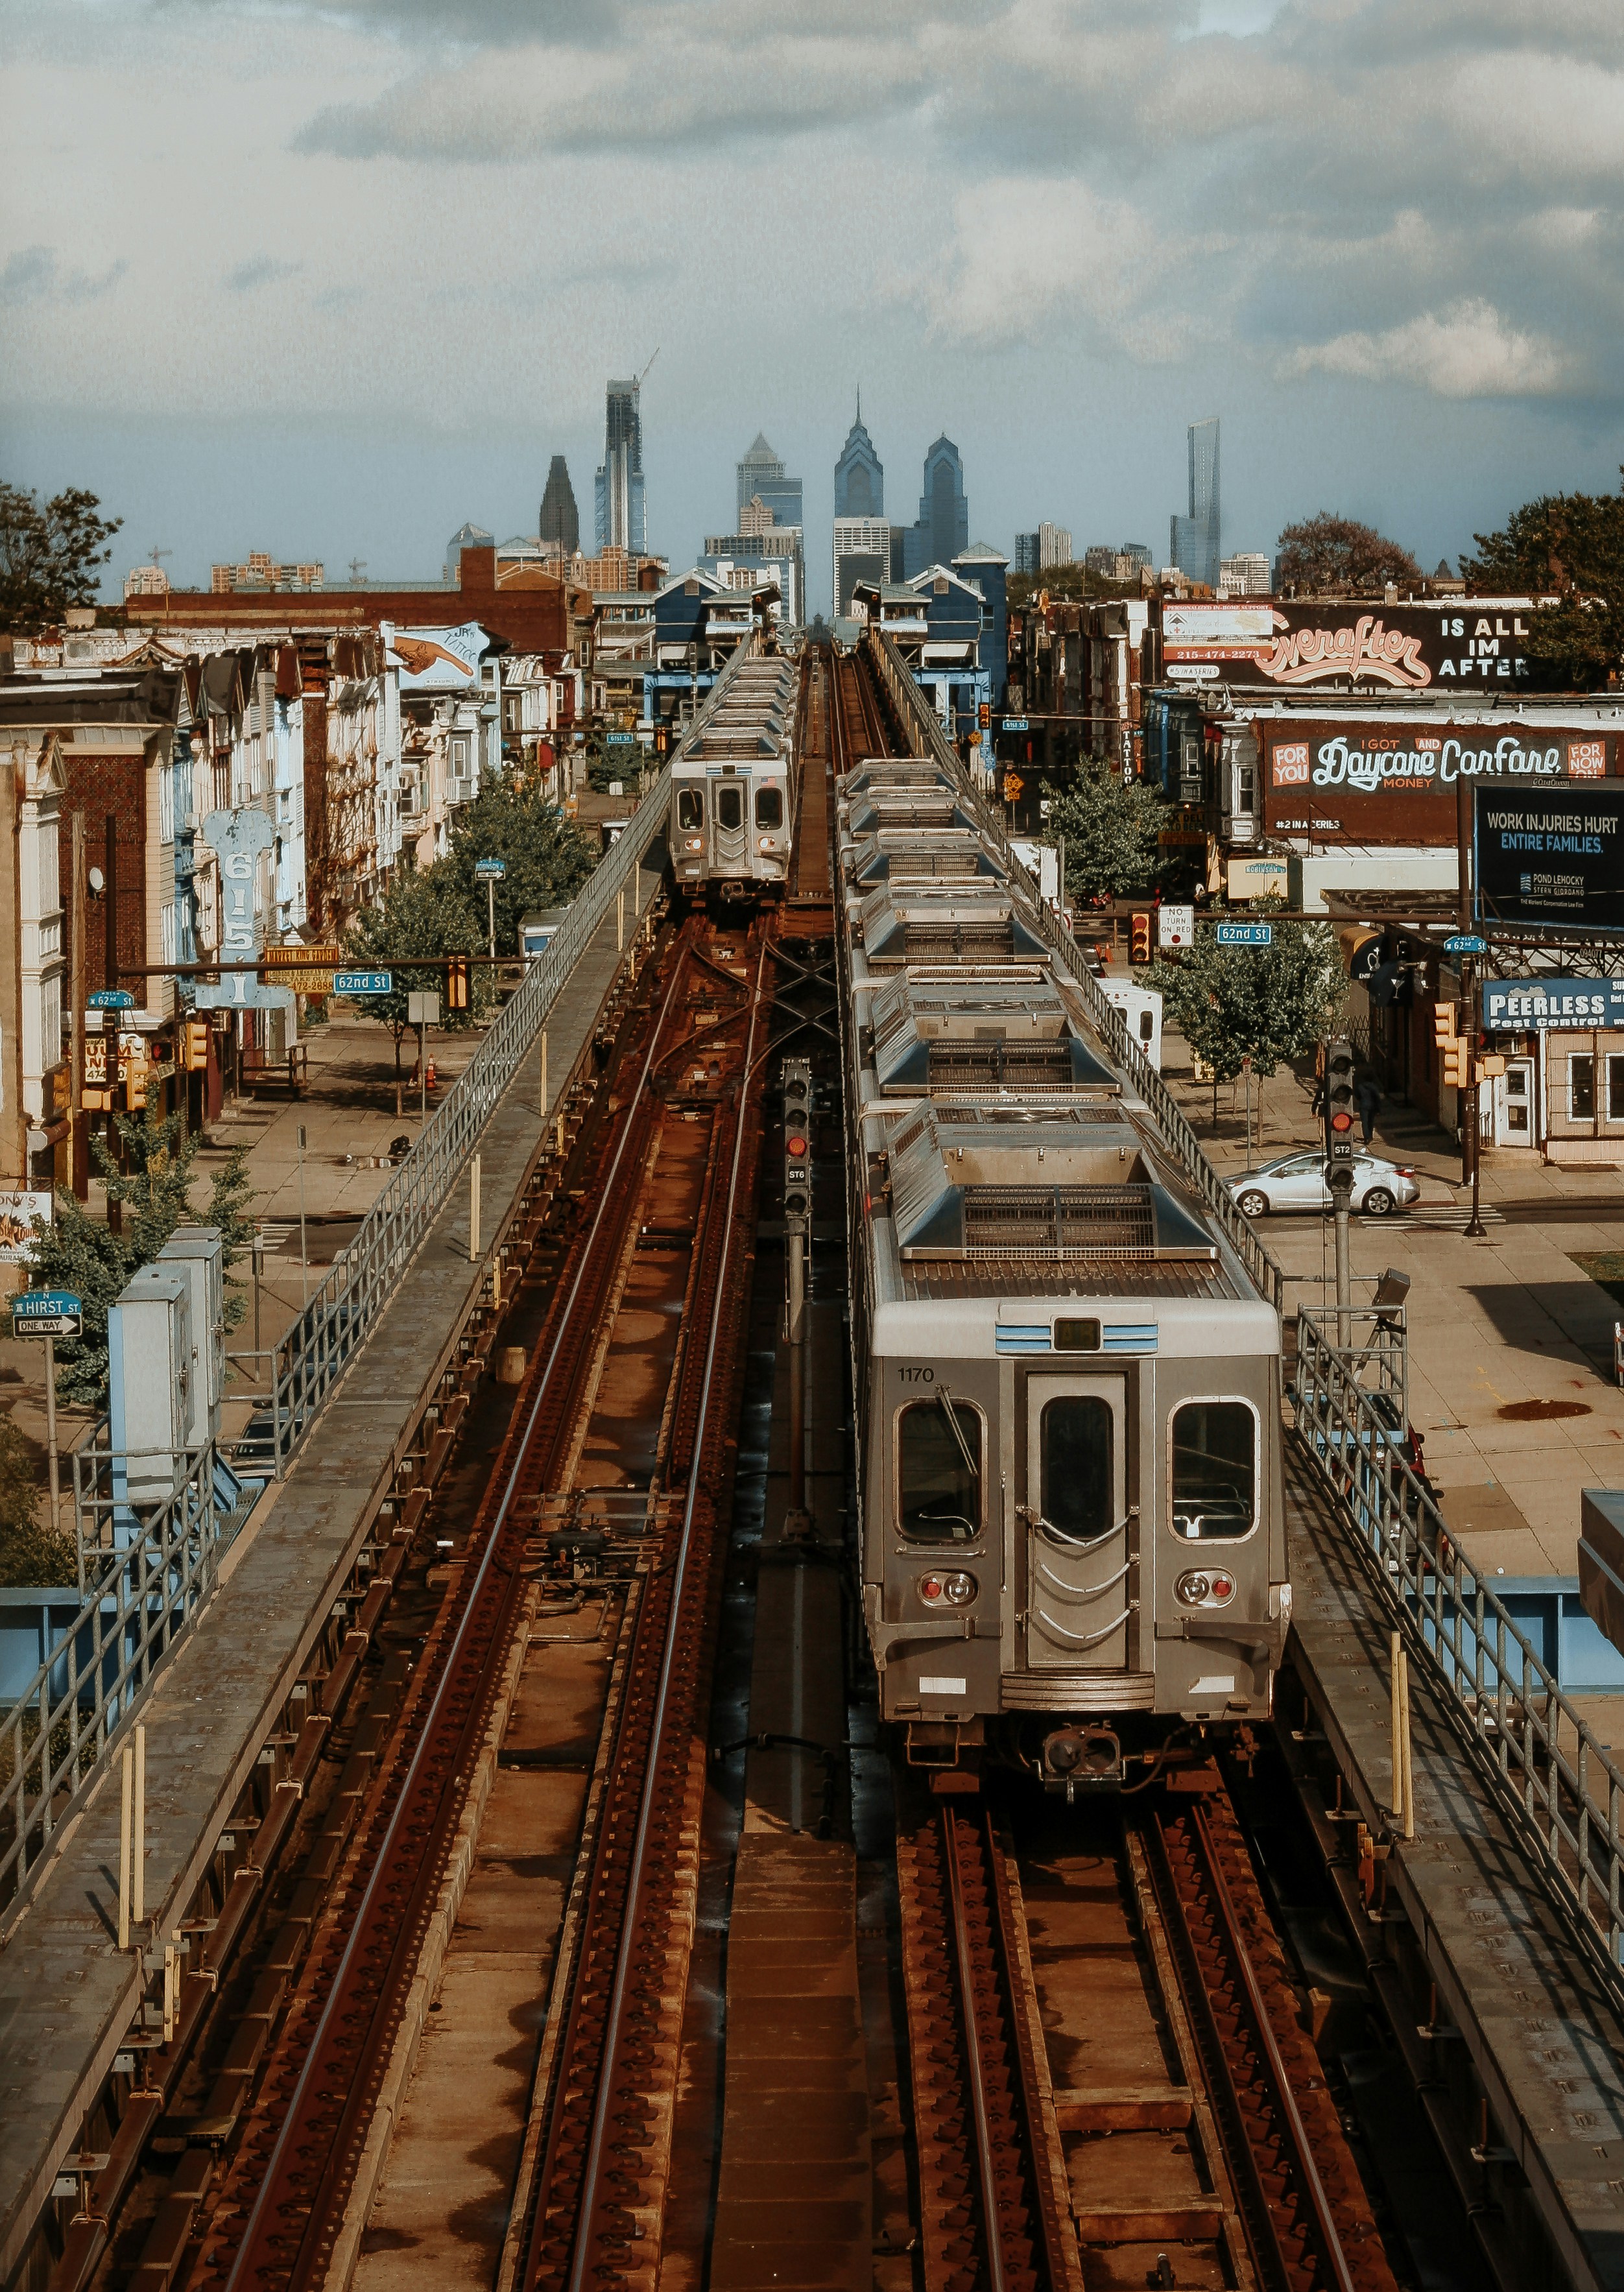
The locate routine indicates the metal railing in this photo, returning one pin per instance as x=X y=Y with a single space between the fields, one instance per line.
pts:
x=1548 y=1773
x=148 y=1569
x=918 y=714
x=308 y=1360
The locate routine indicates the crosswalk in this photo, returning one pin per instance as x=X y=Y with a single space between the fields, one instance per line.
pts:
x=1455 y=1219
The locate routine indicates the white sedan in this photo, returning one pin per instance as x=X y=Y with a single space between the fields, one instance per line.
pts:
x=1296 y=1181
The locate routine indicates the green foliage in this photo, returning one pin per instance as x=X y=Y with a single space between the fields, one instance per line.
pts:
x=1331 y=554
x=76 y=1252
x=1570 y=546
x=51 y=553
x=1068 y=584
x=419 y=914
x=443 y=910
x=1268 y=1003
x=29 y=1553
x=547 y=857
x=1110 y=828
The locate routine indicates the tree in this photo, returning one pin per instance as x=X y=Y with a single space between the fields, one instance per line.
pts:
x=1570 y=546
x=1112 y=828
x=29 y=1553
x=546 y=856
x=50 y=554
x=1331 y=554
x=1268 y=1003
x=419 y=914
x=76 y=1252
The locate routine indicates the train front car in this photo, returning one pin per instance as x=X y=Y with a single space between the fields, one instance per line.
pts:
x=733 y=784
x=1069 y=1387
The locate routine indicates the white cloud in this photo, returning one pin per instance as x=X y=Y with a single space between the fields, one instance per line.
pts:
x=1465 y=351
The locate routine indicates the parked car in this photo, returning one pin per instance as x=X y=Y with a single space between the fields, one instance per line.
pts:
x=1296 y=1181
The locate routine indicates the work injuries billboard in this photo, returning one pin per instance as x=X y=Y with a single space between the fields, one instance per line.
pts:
x=1395 y=780
x=1548 y=857
x=1475 y=646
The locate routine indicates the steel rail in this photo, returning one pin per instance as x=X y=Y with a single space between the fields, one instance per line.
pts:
x=268 y=2192
x=592 y=2168
x=992 y=2209
x=1320 y=2203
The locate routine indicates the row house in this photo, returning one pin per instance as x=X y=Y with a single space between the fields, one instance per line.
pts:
x=450 y=683
x=1076 y=683
x=32 y=780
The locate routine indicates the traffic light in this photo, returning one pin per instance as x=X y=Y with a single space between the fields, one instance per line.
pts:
x=983 y=715
x=1457 y=1064
x=1443 y=1023
x=662 y=739
x=1339 y=1098
x=195 y=1045
x=135 y=1072
x=1139 y=939
x=457 y=983
x=797 y=1145
x=1490 y=1068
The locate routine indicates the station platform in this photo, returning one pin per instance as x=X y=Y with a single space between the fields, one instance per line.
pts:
x=1537 y=2031
x=68 y=1997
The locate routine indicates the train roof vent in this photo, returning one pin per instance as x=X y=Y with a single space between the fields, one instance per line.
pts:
x=1058 y=1222
x=969 y=1034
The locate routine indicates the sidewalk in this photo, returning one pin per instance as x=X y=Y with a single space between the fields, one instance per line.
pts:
x=1510 y=1339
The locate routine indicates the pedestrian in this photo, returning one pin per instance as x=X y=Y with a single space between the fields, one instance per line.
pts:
x=1366 y=1098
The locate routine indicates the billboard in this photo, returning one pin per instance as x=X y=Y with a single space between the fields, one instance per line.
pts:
x=1395 y=780
x=1462 y=646
x=1519 y=1007
x=1551 y=858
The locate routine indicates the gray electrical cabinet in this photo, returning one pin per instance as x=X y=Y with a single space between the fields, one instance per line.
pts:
x=150 y=1381
x=196 y=1253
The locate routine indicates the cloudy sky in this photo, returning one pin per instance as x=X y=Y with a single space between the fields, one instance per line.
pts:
x=329 y=279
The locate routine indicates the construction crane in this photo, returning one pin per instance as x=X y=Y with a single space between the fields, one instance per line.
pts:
x=648 y=369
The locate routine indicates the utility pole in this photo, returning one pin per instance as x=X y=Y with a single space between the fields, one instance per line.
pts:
x=79 y=1146
x=1339 y=1172
x=1471 y=1140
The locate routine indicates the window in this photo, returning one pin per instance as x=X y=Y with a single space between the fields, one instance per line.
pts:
x=769 y=807
x=1075 y=1450
x=166 y=925
x=691 y=807
x=730 y=805
x=165 y=804
x=1615 y=1089
x=938 y=1472
x=1215 y=1469
x=1581 y=1086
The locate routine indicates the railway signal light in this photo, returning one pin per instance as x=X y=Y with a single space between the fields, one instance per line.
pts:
x=797 y=1082
x=1339 y=1098
x=1139 y=939
x=457 y=983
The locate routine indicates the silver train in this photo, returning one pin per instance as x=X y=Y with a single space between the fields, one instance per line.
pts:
x=735 y=780
x=1067 y=1385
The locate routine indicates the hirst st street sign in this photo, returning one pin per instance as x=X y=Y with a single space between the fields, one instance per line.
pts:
x=362 y=982
x=493 y=868
x=1245 y=934
x=46 y=1313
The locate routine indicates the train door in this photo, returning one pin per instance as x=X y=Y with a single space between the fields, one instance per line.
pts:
x=1081 y=1546
x=730 y=836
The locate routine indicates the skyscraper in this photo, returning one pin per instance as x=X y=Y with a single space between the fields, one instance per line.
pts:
x=1194 y=539
x=1035 y=553
x=859 y=475
x=622 y=520
x=761 y=474
x=944 y=528
x=559 y=521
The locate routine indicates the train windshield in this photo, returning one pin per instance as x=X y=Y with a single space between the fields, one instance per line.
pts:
x=730 y=806
x=1076 y=1467
x=1215 y=1469
x=939 y=1471
x=691 y=807
x=769 y=807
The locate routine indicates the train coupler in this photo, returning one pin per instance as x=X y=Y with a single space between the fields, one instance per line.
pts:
x=1085 y=1759
x=939 y=1744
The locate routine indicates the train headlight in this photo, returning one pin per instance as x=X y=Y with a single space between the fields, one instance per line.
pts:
x=954 y=1589
x=694 y=844
x=1199 y=1589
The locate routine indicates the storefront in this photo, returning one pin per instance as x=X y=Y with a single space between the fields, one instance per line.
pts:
x=1562 y=1090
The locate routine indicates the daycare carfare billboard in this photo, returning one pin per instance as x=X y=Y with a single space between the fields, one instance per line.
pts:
x=1550 y=857
x=1393 y=779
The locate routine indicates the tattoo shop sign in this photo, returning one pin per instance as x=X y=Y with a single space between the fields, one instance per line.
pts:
x=1475 y=646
